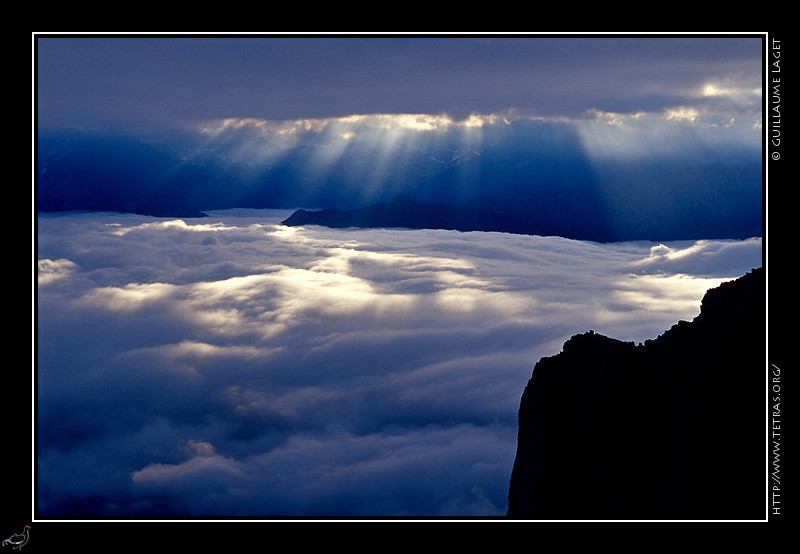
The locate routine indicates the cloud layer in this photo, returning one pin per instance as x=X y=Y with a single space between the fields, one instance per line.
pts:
x=152 y=82
x=231 y=366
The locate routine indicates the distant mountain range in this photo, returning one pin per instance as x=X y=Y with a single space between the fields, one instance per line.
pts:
x=534 y=181
x=673 y=428
x=710 y=202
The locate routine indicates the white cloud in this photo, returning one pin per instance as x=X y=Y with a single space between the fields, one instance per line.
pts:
x=311 y=371
x=52 y=270
x=702 y=257
x=682 y=113
x=205 y=467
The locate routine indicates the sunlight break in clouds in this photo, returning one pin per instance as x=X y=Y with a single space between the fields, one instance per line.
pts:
x=417 y=122
x=232 y=366
x=733 y=91
x=672 y=133
x=723 y=120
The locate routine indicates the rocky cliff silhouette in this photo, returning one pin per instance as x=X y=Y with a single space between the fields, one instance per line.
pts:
x=673 y=428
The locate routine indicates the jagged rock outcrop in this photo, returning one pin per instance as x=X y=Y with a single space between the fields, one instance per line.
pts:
x=673 y=428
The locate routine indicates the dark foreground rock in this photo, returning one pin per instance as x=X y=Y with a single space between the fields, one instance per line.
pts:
x=673 y=428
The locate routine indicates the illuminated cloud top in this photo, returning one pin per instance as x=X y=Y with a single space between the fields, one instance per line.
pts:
x=233 y=366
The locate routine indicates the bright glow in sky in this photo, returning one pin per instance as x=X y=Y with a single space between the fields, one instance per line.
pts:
x=677 y=133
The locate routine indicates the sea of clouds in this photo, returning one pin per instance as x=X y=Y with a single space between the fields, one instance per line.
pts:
x=231 y=366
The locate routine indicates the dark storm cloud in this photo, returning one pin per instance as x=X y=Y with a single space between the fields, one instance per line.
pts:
x=162 y=81
x=231 y=366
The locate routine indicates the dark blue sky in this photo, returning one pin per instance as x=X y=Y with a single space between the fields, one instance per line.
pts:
x=136 y=82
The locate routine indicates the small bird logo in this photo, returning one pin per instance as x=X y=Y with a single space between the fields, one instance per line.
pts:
x=18 y=540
